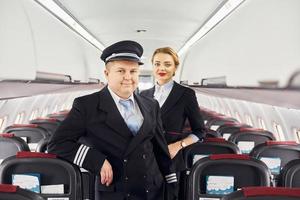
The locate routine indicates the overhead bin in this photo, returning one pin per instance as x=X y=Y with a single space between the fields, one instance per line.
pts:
x=33 y=41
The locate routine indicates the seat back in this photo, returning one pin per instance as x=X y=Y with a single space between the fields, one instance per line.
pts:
x=236 y=170
x=229 y=128
x=264 y=193
x=215 y=123
x=194 y=152
x=88 y=181
x=211 y=116
x=207 y=147
x=276 y=154
x=59 y=115
x=50 y=124
x=30 y=133
x=207 y=114
x=11 y=192
x=212 y=134
x=290 y=174
x=48 y=169
x=42 y=145
x=10 y=145
x=248 y=138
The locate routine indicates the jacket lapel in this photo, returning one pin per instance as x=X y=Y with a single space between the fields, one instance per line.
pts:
x=144 y=129
x=113 y=117
x=149 y=92
x=175 y=94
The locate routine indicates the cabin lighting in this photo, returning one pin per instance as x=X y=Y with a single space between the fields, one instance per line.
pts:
x=219 y=15
x=70 y=21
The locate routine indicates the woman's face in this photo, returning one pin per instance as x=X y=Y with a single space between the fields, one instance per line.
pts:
x=163 y=67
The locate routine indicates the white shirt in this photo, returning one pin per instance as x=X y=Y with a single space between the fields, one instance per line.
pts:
x=162 y=92
x=121 y=109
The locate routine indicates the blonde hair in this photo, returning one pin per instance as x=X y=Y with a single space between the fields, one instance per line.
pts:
x=167 y=50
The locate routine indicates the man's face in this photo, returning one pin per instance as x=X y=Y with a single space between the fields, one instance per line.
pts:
x=122 y=77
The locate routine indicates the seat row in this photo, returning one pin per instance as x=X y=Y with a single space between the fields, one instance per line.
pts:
x=220 y=146
x=46 y=175
x=11 y=192
x=218 y=175
x=37 y=133
x=274 y=154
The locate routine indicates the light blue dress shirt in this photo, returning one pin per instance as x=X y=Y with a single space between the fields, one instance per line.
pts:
x=137 y=111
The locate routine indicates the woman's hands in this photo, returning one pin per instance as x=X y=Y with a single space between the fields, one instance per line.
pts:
x=174 y=148
x=177 y=146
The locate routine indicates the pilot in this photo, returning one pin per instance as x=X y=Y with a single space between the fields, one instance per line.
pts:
x=117 y=134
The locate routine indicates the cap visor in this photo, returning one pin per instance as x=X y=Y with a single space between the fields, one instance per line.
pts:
x=126 y=58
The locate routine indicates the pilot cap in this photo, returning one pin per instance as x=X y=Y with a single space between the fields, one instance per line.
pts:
x=123 y=50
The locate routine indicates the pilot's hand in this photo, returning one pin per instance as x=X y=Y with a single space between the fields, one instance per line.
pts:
x=106 y=173
x=174 y=148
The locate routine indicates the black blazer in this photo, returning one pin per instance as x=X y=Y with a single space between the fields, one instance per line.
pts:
x=181 y=104
x=139 y=163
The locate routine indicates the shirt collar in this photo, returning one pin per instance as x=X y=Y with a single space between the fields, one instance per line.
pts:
x=165 y=86
x=116 y=98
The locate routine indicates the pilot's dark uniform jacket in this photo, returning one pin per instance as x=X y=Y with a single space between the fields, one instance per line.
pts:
x=140 y=163
x=180 y=105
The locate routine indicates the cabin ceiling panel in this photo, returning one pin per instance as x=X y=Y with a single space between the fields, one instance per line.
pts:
x=91 y=59
x=169 y=22
x=259 y=41
x=17 y=48
x=32 y=41
x=281 y=98
x=58 y=49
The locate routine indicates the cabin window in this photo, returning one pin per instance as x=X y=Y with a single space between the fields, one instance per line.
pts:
x=248 y=120
x=34 y=114
x=55 y=108
x=3 y=121
x=45 y=112
x=215 y=108
x=222 y=111
x=261 y=123
x=68 y=106
x=228 y=113
x=237 y=116
x=37 y=111
x=296 y=131
x=278 y=132
x=31 y=115
x=20 y=117
x=17 y=119
x=63 y=107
